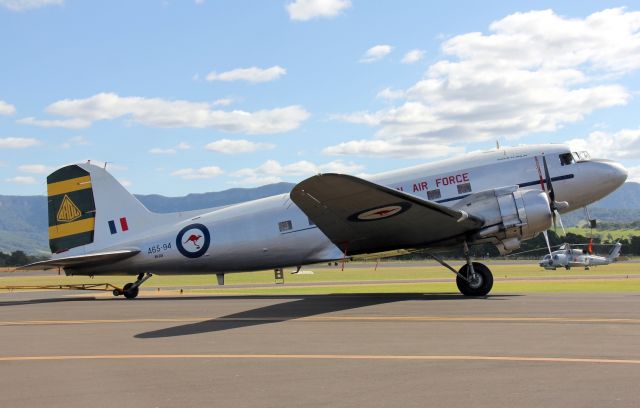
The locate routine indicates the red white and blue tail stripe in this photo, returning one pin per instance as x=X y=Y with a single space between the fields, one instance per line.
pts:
x=123 y=226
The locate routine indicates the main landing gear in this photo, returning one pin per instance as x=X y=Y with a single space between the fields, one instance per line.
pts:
x=473 y=278
x=131 y=289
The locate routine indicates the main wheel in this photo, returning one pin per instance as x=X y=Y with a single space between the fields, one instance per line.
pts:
x=129 y=291
x=480 y=285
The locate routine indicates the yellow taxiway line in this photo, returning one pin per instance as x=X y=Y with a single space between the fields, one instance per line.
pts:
x=320 y=357
x=489 y=319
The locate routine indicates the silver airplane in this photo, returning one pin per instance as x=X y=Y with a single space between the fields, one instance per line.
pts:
x=567 y=257
x=503 y=197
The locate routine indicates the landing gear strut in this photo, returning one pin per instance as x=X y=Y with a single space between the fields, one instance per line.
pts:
x=131 y=289
x=473 y=278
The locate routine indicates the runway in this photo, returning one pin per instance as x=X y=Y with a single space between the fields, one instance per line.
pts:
x=337 y=350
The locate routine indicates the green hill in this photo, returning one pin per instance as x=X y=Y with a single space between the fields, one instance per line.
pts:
x=23 y=219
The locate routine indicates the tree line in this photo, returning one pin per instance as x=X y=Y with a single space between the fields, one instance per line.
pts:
x=19 y=258
x=537 y=247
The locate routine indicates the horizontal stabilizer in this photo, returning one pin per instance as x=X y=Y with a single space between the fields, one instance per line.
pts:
x=99 y=258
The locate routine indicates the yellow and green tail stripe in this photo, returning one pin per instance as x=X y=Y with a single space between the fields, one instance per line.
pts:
x=72 y=209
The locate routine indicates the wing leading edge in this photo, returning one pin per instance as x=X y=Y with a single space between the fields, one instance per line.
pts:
x=363 y=217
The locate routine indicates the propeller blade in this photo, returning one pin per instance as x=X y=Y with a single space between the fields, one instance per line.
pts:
x=552 y=194
x=546 y=238
x=557 y=214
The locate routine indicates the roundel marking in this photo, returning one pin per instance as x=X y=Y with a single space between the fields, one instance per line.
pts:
x=193 y=240
x=379 y=213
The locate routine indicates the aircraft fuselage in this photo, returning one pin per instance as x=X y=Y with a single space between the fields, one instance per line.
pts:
x=273 y=231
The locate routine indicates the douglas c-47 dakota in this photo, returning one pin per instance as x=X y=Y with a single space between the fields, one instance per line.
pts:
x=503 y=197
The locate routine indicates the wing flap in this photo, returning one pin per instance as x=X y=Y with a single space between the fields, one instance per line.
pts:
x=82 y=260
x=363 y=217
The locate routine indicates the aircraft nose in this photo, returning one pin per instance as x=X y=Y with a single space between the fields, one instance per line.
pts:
x=617 y=174
x=611 y=176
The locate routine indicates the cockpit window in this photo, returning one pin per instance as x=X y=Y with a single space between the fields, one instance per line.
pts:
x=566 y=159
x=581 y=156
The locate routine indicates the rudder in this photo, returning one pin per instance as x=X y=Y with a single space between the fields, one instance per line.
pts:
x=72 y=208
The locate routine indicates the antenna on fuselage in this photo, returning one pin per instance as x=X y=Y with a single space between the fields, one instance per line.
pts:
x=497 y=144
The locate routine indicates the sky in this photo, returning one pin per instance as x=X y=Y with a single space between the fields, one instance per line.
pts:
x=191 y=96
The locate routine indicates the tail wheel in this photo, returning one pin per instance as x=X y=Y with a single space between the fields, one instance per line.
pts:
x=478 y=285
x=130 y=292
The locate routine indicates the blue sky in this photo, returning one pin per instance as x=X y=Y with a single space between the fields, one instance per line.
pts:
x=195 y=96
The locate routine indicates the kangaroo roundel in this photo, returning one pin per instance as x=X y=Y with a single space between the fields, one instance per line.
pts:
x=193 y=240
x=378 y=213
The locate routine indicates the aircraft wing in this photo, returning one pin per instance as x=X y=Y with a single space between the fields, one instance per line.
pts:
x=363 y=217
x=81 y=260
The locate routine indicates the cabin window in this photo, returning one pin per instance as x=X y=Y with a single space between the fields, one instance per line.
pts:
x=464 y=188
x=566 y=159
x=433 y=194
x=285 y=226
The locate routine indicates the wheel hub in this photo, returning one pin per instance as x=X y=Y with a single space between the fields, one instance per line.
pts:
x=475 y=281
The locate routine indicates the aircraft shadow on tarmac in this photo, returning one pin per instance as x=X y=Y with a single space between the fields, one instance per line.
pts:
x=298 y=307
x=22 y=302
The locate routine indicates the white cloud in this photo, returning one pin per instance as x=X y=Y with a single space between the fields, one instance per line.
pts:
x=392 y=148
x=412 y=56
x=21 y=180
x=171 y=150
x=199 y=2
x=157 y=150
x=6 y=109
x=390 y=94
x=35 y=168
x=303 y=10
x=64 y=123
x=253 y=74
x=272 y=171
x=179 y=113
x=535 y=72
x=75 y=141
x=236 y=146
x=607 y=40
x=17 y=142
x=376 y=53
x=222 y=102
x=634 y=174
x=21 y=5
x=201 y=173
x=624 y=144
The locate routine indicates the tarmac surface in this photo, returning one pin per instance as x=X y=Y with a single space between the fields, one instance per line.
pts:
x=442 y=350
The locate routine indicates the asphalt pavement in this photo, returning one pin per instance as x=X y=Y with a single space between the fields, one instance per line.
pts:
x=375 y=350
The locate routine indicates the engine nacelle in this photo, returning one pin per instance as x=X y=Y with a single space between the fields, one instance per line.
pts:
x=511 y=215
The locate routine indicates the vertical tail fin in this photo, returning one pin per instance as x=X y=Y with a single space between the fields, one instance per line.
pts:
x=88 y=208
x=72 y=209
x=615 y=252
